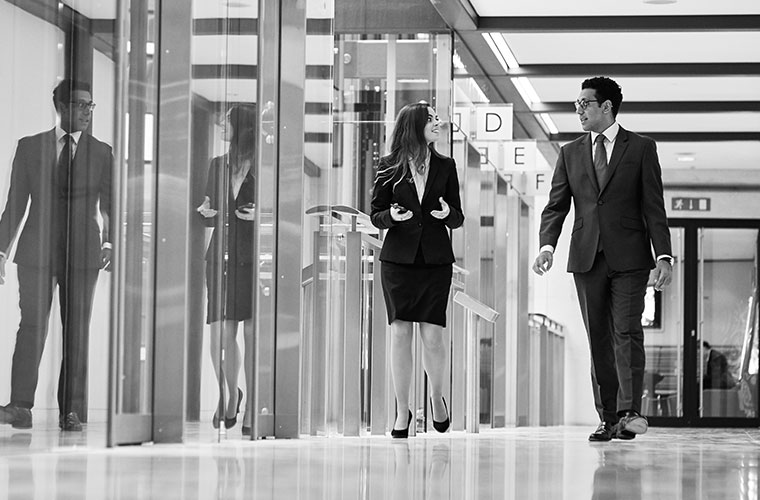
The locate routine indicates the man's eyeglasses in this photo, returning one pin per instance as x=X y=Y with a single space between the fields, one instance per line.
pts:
x=583 y=103
x=84 y=105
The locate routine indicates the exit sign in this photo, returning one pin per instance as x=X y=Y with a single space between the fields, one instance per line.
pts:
x=691 y=204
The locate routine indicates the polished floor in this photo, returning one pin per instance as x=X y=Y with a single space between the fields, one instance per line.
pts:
x=523 y=463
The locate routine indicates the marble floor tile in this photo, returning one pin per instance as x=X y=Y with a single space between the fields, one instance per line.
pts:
x=524 y=463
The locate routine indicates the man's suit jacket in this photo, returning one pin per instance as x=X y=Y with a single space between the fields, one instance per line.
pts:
x=404 y=238
x=627 y=213
x=34 y=181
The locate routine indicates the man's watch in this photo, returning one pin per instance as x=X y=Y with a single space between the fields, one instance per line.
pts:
x=667 y=259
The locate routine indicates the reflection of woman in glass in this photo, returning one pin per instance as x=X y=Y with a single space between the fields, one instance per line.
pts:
x=230 y=192
x=416 y=198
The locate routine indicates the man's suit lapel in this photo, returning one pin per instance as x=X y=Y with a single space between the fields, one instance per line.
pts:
x=49 y=150
x=587 y=160
x=80 y=158
x=621 y=144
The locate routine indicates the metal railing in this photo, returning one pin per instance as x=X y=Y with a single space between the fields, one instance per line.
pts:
x=476 y=314
x=346 y=383
x=547 y=371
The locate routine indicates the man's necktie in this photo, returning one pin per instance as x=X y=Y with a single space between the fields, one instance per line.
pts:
x=64 y=166
x=600 y=161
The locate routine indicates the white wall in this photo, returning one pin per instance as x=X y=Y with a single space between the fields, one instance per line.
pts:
x=554 y=295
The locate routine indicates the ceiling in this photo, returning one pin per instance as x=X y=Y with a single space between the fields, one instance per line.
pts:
x=690 y=73
x=689 y=69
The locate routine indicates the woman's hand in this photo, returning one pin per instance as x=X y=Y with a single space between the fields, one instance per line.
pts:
x=399 y=213
x=205 y=209
x=245 y=212
x=443 y=212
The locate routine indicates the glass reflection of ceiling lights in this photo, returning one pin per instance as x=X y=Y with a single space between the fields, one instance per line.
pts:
x=500 y=48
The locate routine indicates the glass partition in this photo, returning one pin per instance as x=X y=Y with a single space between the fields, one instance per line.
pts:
x=727 y=308
x=373 y=77
x=226 y=217
x=56 y=232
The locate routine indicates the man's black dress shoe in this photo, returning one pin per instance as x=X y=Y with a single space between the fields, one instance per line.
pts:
x=230 y=422
x=70 y=422
x=403 y=433
x=442 y=426
x=19 y=418
x=246 y=430
x=633 y=422
x=604 y=432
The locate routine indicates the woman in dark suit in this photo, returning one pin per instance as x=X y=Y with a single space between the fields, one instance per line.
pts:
x=230 y=192
x=416 y=198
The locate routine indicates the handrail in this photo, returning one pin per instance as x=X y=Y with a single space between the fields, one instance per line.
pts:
x=552 y=325
x=373 y=242
x=474 y=312
x=460 y=270
x=339 y=211
x=476 y=306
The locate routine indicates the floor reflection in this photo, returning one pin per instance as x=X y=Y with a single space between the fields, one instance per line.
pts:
x=555 y=463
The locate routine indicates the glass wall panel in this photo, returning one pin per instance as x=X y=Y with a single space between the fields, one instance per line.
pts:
x=663 y=394
x=133 y=219
x=225 y=137
x=56 y=160
x=727 y=308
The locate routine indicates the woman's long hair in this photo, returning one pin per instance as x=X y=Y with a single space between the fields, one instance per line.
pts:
x=407 y=141
x=242 y=117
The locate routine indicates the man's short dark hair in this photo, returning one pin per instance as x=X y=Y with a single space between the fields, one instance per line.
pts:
x=64 y=89
x=606 y=89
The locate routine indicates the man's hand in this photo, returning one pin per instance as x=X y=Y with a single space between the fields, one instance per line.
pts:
x=105 y=259
x=543 y=262
x=443 y=212
x=2 y=269
x=663 y=274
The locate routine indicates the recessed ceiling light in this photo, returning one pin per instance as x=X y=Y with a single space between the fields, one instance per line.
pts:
x=685 y=158
x=659 y=2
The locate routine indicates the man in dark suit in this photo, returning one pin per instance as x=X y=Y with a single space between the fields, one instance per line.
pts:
x=717 y=373
x=64 y=175
x=613 y=178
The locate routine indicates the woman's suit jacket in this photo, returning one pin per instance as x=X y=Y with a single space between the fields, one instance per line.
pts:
x=627 y=214
x=239 y=244
x=404 y=238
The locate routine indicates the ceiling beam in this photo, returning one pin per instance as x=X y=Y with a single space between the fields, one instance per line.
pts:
x=459 y=15
x=638 y=69
x=645 y=24
x=675 y=136
x=659 y=107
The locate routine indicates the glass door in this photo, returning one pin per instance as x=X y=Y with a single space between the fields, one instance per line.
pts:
x=701 y=332
x=663 y=323
x=726 y=350
x=134 y=226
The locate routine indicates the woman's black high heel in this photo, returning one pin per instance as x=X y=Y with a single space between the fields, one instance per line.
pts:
x=444 y=425
x=229 y=423
x=215 y=420
x=403 y=433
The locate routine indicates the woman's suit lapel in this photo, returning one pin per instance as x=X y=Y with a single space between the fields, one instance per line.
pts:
x=434 y=169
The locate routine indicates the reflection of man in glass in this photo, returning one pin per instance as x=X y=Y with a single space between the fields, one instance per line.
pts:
x=717 y=374
x=64 y=175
